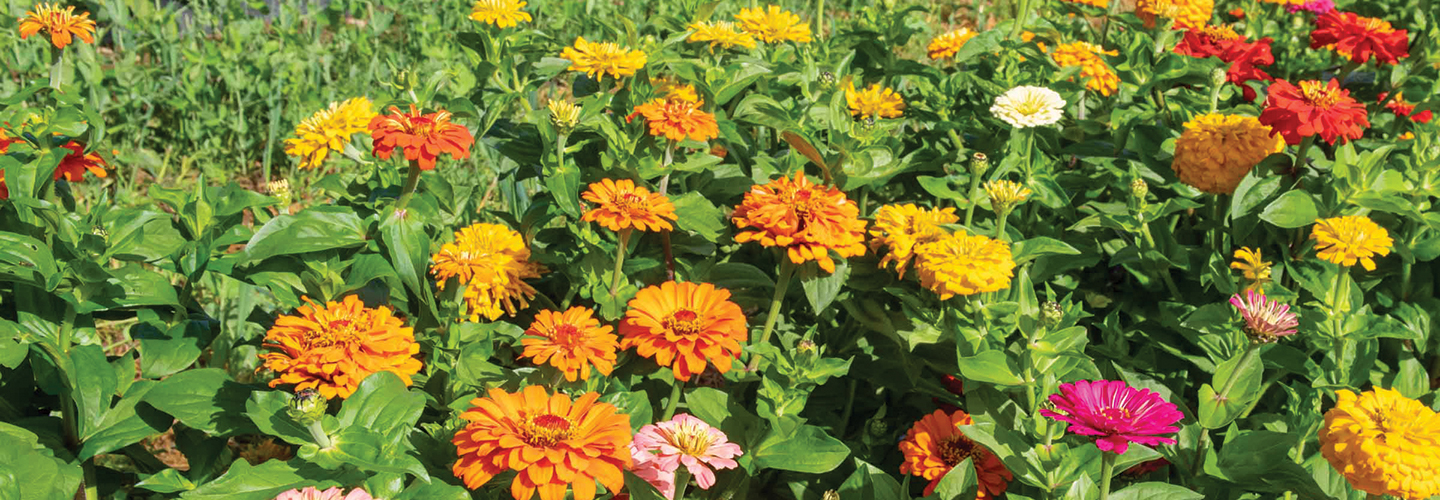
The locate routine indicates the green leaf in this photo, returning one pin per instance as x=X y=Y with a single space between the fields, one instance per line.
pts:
x=1155 y=491
x=129 y=286
x=436 y=490
x=1216 y=413
x=404 y=235
x=869 y=482
x=266 y=410
x=959 y=483
x=821 y=289
x=1260 y=460
x=1291 y=210
x=205 y=399
x=125 y=424
x=1040 y=246
x=564 y=184
x=809 y=450
x=28 y=470
x=739 y=275
x=639 y=489
x=92 y=384
x=166 y=481
x=316 y=228
x=261 y=482
x=698 y=214
x=991 y=366
x=25 y=260
x=382 y=404
x=367 y=450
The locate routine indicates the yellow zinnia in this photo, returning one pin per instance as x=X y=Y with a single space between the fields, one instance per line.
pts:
x=1098 y=75
x=1216 y=151
x=1004 y=195
x=949 y=44
x=492 y=262
x=874 y=102
x=964 y=264
x=1186 y=13
x=329 y=130
x=599 y=58
x=1253 y=266
x=1346 y=240
x=772 y=24
x=901 y=228
x=1383 y=443
x=500 y=13
x=722 y=33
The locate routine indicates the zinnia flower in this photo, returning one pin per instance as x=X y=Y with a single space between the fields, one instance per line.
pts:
x=310 y=493
x=949 y=44
x=563 y=114
x=1025 y=107
x=1207 y=40
x=1313 y=108
x=1383 y=443
x=964 y=264
x=598 y=58
x=1253 y=266
x=684 y=326
x=328 y=130
x=874 y=102
x=571 y=341
x=1265 y=319
x=1245 y=60
x=500 y=13
x=1005 y=195
x=1114 y=412
x=332 y=348
x=1312 y=6
x=1398 y=106
x=1093 y=3
x=62 y=25
x=623 y=205
x=4 y=189
x=1099 y=76
x=677 y=119
x=423 y=137
x=673 y=88
x=549 y=440
x=772 y=24
x=645 y=465
x=722 y=33
x=1359 y=37
x=75 y=163
x=807 y=220
x=6 y=140
x=1351 y=238
x=492 y=262
x=935 y=445
x=901 y=228
x=688 y=441
x=1185 y=13
x=1216 y=151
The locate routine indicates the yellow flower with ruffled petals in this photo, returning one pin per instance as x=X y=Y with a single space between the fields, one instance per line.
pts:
x=1350 y=239
x=1383 y=443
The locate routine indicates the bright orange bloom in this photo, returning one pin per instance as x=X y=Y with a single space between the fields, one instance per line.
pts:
x=1313 y=108
x=1359 y=37
x=949 y=44
x=423 y=137
x=1098 y=75
x=677 y=119
x=684 y=325
x=62 y=25
x=903 y=228
x=623 y=205
x=77 y=162
x=332 y=348
x=549 y=440
x=935 y=445
x=571 y=341
x=6 y=140
x=807 y=220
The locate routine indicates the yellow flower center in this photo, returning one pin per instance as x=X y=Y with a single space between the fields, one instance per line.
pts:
x=543 y=431
x=566 y=334
x=684 y=322
x=1219 y=33
x=956 y=449
x=691 y=439
x=337 y=332
x=1113 y=414
x=631 y=202
x=1319 y=94
x=1379 y=26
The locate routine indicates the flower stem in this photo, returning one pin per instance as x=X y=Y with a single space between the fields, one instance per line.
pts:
x=819 y=19
x=619 y=261
x=665 y=235
x=1300 y=155
x=682 y=480
x=1245 y=358
x=317 y=432
x=974 y=194
x=787 y=269
x=1000 y=220
x=411 y=182
x=1107 y=468
x=1020 y=16
x=92 y=483
x=57 y=65
x=676 y=390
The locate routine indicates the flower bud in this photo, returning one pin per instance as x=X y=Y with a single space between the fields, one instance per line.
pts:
x=1218 y=77
x=827 y=80
x=1005 y=195
x=831 y=495
x=979 y=163
x=1139 y=189
x=307 y=406
x=1051 y=313
x=280 y=189
x=564 y=115
x=953 y=384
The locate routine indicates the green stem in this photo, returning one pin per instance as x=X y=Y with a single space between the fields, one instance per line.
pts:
x=1107 y=469
x=849 y=407
x=1020 y=16
x=974 y=195
x=318 y=433
x=1300 y=155
x=682 y=480
x=1215 y=94
x=1000 y=219
x=1245 y=358
x=1199 y=464
x=1155 y=266
x=411 y=182
x=92 y=483
x=676 y=390
x=665 y=235
x=819 y=20
x=1342 y=342
x=619 y=261
x=787 y=269
x=57 y=65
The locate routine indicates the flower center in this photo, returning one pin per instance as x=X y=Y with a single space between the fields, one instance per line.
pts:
x=566 y=334
x=1219 y=33
x=543 y=431
x=956 y=449
x=340 y=331
x=1376 y=25
x=691 y=439
x=1319 y=94
x=1116 y=415
x=631 y=202
x=684 y=322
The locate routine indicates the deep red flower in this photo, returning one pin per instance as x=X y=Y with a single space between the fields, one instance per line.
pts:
x=953 y=384
x=1359 y=37
x=1313 y=108
x=76 y=163
x=1207 y=41
x=1401 y=107
x=1245 y=60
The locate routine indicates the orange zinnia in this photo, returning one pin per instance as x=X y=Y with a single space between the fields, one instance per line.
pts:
x=623 y=205
x=682 y=325
x=805 y=219
x=422 y=136
x=332 y=348
x=6 y=140
x=62 y=25
x=935 y=445
x=549 y=440
x=677 y=119
x=77 y=162
x=1313 y=108
x=571 y=341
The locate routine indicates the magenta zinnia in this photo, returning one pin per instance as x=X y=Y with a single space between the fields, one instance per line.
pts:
x=688 y=441
x=1115 y=413
x=1265 y=319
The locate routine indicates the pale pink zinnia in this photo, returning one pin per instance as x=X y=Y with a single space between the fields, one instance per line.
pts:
x=310 y=493
x=689 y=441
x=646 y=465
x=1265 y=320
x=1117 y=413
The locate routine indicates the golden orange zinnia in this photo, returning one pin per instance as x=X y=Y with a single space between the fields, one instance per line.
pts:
x=934 y=445
x=571 y=341
x=901 y=228
x=874 y=102
x=75 y=163
x=1350 y=239
x=500 y=13
x=332 y=348
x=949 y=44
x=1098 y=75
x=550 y=440
x=964 y=264
x=598 y=58
x=677 y=119
x=722 y=33
x=492 y=262
x=623 y=205
x=422 y=136
x=773 y=24
x=62 y=25
x=685 y=326
x=807 y=220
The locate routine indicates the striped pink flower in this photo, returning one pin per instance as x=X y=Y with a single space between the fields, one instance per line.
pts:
x=310 y=493
x=689 y=441
x=1115 y=413
x=1265 y=320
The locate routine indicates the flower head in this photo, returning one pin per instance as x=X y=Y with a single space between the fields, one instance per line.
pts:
x=964 y=264
x=6 y=140
x=422 y=137
x=310 y=493
x=329 y=130
x=949 y=44
x=1397 y=105
x=564 y=115
x=902 y=228
x=677 y=119
x=1246 y=59
x=646 y=465
x=492 y=262
x=935 y=445
x=722 y=33
x=1313 y=108
x=1312 y=6
x=772 y=25
x=1216 y=151
x=550 y=440
x=1025 y=107
x=75 y=163
x=874 y=102
x=1253 y=266
x=332 y=348
x=62 y=25
x=1098 y=75
x=1207 y=40
x=684 y=326
x=689 y=441
x=674 y=89
x=623 y=205
x=1005 y=195
x=1114 y=412
x=1185 y=13
x=1360 y=38
x=809 y=221
x=571 y=341
x=1351 y=238
x=1265 y=319
x=598 y=58
x=1383 y=443
x=500 y=13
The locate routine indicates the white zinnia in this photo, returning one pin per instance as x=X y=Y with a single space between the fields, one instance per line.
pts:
x=1025 y=107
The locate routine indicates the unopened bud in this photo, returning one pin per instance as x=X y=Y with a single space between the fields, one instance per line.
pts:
x=1218 y=77
x=1005 y=195
x=979 y=163
x=1051 y=313
x=831 y=495
x=1139 y=189
x=101 y=232
x=827 y=80
x=307 y=407
x=564 y=115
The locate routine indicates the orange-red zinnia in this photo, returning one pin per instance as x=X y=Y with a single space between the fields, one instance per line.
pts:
x=685 y=326
x=807 y=220
x=1313 y=108
x=77 y=162
x=1360 y=38
x=62 y=25
x=422 y=136
x=934 y=445
x=332 y=348
x=571 y=341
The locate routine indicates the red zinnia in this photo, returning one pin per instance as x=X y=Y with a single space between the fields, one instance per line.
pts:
x=1400 y=107
x=1313 y=108
x=76 y=162
x=422 y=136
x=1359 y=37
x=1245 y=60
x=1207 y=40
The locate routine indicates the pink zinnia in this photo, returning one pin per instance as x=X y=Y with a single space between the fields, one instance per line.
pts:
x=1265 y=320
x=1116 y=412
x=689 y=441
x=1312 y=6
x=310 y=493
x=647 y=466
